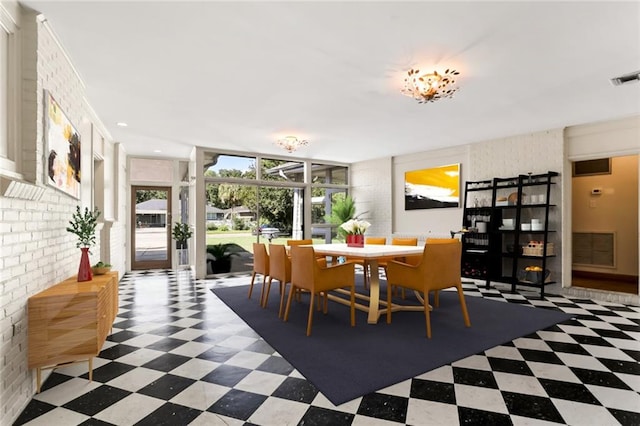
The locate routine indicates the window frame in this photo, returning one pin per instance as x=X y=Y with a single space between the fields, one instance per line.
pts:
x=10 y=165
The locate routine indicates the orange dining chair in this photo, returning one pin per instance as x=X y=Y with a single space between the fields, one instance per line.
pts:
x=280 y=270
x=307 y=274
x=436 y=296
x=260 y=266
x=412 y=260
x=307 y=242
x=439 y=269
x=362 y=261
x=304 y=242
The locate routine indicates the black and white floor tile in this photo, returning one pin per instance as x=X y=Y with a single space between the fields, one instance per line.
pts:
x=179 y=356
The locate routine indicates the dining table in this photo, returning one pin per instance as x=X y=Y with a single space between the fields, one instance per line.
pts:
x=372 y=254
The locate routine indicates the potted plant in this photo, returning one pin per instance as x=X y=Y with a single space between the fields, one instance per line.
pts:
x=101 y=268
x=83 y=225
x=355 y=229
x=219 y=258
x=181 y=233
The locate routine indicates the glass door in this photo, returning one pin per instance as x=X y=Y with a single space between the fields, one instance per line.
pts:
x=151 y=227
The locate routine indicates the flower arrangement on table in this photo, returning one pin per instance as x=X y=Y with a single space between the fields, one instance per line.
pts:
x=355 y=230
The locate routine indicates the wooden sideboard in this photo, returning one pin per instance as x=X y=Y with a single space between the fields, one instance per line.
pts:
x=69 y=322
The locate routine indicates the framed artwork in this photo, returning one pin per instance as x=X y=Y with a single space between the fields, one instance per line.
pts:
x=62 y=149
x=433 y=188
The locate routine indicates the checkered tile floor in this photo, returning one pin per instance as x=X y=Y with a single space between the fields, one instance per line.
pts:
x=179 y=356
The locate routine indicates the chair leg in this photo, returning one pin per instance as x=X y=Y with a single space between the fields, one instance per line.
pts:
x=463 y=305
x=253 y=277
x=286 y=311
x=310 y=320
x=283 y=290
x=265 y=297
x=427 y=315
x=353 y=305
x=264 y=280
x=389 y=290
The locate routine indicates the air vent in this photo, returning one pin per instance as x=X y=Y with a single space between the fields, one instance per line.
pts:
x=626 y=79
x=601 y=166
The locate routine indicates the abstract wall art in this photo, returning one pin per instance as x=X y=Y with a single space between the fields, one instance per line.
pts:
x=433 y=188
x=62 y=151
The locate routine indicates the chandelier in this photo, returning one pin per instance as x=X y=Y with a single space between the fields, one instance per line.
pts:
x=430 y=87
x=291 y=143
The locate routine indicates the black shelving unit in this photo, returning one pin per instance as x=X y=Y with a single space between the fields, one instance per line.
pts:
x=517 y=254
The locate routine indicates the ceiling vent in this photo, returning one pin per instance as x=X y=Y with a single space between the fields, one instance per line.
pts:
x=626 y=79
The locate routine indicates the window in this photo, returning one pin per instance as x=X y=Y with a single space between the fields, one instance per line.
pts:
x=330 y=174
x=8 y=94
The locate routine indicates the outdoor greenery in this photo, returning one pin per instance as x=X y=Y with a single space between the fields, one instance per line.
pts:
x=83 y=225
x=275 y=205
x=343 y=210
x=150 y=194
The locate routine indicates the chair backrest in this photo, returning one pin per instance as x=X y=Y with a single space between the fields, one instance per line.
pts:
x=279 y=263
x=260 y=259
x=412 y=260
x=441 y=240
x=299 y=242
x=404 y=241
x=303 y=266
x=375 y=240
x=441 y=263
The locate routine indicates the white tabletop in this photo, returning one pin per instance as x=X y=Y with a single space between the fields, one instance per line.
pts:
x=368 y=251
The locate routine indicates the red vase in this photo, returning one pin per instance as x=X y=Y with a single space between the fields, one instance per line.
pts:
x=355 y=240
x=84 y=271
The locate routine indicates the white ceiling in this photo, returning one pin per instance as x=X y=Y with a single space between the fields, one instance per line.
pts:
x=236 y=75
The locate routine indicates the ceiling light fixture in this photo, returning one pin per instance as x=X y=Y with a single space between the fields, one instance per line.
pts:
x=291 y=143
x=121 y=124
x=431 y=86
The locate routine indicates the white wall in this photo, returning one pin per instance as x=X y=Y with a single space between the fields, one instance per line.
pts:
x=429 y=222
x=373 y=194
x=37 y=251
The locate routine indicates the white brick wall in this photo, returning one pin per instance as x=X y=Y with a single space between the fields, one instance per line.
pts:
x=36 y=250
x=372 y=192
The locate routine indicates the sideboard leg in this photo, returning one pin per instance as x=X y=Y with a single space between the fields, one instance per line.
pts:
x=38 y=379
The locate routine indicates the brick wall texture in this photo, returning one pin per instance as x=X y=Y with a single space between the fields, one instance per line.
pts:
x=36 y=250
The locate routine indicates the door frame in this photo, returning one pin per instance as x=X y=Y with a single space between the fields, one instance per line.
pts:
x=150 y=264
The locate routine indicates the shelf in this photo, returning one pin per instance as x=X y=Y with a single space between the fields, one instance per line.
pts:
x=477 y=251
x=492 y=262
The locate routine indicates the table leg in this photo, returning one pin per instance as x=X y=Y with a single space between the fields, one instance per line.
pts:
x=374 y=292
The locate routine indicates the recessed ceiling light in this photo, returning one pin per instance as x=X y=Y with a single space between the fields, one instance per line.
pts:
x=122 y=124
x=157 y=150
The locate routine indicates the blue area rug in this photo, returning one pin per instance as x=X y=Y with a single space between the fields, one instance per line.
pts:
x=345 y=363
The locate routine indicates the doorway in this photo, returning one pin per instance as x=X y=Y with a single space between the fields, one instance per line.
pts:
x=605 y=224
x=151 y=227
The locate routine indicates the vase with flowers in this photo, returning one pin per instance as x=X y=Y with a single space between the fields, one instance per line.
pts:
x=83 y=225
x=355 y=229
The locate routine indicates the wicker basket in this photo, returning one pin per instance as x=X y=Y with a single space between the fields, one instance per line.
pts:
x=536 y=249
